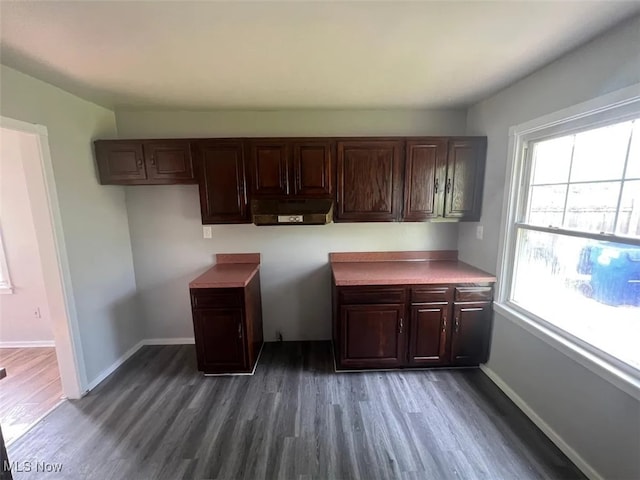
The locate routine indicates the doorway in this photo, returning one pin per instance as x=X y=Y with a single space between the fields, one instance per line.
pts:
x=38 y=350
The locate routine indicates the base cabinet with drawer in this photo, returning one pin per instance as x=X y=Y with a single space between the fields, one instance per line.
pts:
x=227 y=324
x=408 y=326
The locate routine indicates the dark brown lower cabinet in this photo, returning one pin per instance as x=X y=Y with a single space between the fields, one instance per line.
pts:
x=227 y=324
x=428 y=334
x=372 y=335
x=436 y=327
x=471 y=333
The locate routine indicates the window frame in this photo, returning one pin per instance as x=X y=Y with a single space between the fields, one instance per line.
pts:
x=612 y=108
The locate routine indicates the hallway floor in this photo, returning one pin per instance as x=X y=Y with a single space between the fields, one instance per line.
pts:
x=31 y=388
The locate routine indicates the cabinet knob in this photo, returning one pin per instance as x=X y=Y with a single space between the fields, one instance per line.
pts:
x=240 y=330
x=153 y=160
x=401 y=325
x=139 y=162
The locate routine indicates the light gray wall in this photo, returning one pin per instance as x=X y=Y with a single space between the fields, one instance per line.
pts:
x=166 y=230
x=94 y=217
x=599 y=421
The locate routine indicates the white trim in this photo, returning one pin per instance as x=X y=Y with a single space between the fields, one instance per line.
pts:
x=619 y=378
x=42 y=189
x=169 y=341
x=113 y=367
x=33 y=344
x=574 y=456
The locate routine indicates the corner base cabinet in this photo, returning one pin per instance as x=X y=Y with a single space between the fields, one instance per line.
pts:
x=227 y=324
x=411 y=326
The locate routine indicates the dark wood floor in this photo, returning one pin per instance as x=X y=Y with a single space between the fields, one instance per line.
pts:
x=31 y=388
x=157 y=418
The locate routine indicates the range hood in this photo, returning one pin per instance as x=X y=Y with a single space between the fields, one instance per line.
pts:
x=308 y=211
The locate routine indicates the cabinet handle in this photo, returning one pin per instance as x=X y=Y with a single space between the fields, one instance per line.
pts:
x=139 y=162
x=448 y=185
x=153 y=160
x=240 y=331
x=436 y=185
x=401 y=325
x=457 y=326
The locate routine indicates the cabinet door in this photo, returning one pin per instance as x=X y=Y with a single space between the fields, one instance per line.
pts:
x=220 y=343
x=270 y=167
x=471 y=333
x=312 y=169
x=372 y=336
x=424 y=184
x=221 y=173
x=169 y=161
x=429 y=332
x=369 y=180
x=120 y=162
x=465 y=178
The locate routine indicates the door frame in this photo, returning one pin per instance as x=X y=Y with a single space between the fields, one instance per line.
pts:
x=41 y=187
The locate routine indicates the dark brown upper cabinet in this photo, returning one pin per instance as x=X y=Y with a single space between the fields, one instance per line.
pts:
x=312 y=169
x=120 y=162
x=443 y=178
x=369 y=176
x=220 y=168
x=269 y=160
x=289 y=167
x=425 y=172
x=465 y=178
x=144 y=162
x=169 y=160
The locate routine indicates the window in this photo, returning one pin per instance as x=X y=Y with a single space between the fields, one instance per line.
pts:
x=5 y=281
x=572 y=252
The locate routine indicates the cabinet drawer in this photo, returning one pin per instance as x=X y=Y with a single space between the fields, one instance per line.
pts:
x=372 y=295
x=473 y=294
x=216 y=297
x=430 y=294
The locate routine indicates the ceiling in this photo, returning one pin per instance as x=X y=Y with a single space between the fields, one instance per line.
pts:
x=266 y=55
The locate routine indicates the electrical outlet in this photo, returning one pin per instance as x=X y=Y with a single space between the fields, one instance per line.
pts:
x=206 y=232
x=479 y=232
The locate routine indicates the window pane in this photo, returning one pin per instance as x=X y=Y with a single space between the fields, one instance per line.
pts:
x=600 y=154
x=546 y=205
x=589 y=289
x=551 y=160
x=592 y=206
x=629 y=215
x=633 y=166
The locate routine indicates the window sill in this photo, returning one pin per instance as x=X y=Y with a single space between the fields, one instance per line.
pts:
x=622 y=379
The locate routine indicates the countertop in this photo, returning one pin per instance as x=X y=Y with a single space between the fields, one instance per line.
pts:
x=406 y=272
x=231 y=271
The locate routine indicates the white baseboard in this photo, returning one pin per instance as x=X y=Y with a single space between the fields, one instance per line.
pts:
x=113 y=367
x=33 y=344
x=581 y=463
x=169 y=341
x=149 y=341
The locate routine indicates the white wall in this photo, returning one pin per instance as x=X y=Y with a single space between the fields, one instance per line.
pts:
x=18 y=323
x=600 y=422
x=94 y=217
x=166 y=230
